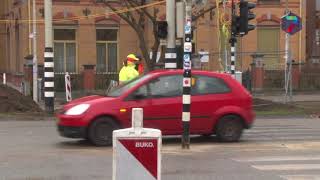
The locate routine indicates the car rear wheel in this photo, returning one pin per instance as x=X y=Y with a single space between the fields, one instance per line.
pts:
x=100 y=131
x=229 y=128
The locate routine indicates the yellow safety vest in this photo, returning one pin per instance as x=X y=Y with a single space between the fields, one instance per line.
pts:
x=127 y=73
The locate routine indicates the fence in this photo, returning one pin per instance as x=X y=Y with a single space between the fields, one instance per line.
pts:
x=102 y=80
x=306 y=77
x=76 y=82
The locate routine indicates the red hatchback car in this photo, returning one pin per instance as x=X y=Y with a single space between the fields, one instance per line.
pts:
x=219 y=105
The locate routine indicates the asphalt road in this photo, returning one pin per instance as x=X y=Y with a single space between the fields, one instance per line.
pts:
x=283 y=148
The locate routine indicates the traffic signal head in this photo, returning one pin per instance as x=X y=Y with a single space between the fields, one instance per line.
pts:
x=235 y=25
x=245 y=16
x=162 y=29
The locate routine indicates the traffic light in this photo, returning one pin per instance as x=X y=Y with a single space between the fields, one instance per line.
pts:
x=245 y=16
x=162 y=29
x=235 y=25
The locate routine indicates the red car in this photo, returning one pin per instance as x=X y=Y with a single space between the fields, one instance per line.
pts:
x=219 y=105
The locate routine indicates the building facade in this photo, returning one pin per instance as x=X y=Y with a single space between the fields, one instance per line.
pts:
x=105 y=40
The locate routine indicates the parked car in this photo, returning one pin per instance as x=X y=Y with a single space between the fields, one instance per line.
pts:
x=219 y=105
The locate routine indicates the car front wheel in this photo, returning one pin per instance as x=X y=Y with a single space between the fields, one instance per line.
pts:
x=229 y=128
x=100 y=131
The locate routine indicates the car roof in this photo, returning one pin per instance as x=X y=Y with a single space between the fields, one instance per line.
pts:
x=197 y=72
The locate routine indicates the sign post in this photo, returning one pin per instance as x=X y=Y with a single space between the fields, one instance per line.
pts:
x=136 y=151
x=291 y=24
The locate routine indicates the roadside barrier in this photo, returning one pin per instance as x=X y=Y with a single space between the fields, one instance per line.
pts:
x=136 y=151
x=68 y=87
x=4 y=78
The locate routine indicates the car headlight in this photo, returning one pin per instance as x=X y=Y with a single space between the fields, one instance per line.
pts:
x=77 y=110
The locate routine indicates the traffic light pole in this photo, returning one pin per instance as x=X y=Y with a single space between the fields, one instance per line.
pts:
x=48 y=59
x=171 y=55
x=233 y=42
x=233 y=56
x=186 y=97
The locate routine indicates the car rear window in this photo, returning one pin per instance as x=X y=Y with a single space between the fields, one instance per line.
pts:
x=208 y=85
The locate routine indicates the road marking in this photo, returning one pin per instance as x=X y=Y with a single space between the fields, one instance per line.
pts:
x=287 y=167
x=279 y=130
x=281 y=138
x=279 y=158
x=284 y=133
x=301 y=177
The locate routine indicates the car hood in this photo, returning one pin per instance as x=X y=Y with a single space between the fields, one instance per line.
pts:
x=86 y=100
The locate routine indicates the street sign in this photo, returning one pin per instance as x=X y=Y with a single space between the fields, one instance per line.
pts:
x=204 y=56
x=291 y=23
x=188 y=47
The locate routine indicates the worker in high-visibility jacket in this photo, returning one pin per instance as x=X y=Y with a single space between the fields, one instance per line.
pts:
x=139 y=65
x=128 y=71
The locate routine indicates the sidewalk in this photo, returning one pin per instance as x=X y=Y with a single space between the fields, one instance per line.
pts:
x=295 y=97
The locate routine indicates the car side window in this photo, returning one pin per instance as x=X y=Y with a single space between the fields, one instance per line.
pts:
x=209 y=85
x=140 y=93
x=166 y=86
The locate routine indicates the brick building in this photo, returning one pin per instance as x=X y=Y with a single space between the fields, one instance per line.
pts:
x=104 y=41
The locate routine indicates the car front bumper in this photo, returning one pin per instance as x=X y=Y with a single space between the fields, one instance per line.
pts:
x=72 y=131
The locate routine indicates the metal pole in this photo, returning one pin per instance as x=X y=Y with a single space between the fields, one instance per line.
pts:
x=288 y=77
x=287 y=47
x=29 y=26
x=171 y=55
x=48 y=59
x=300 y=36
x=233 y=42
x=35 y=60
x=186 y=97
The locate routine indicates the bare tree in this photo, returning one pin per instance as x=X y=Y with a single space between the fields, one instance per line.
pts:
x=137 y=17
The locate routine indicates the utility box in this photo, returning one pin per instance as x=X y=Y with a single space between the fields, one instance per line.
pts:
x=137 y=151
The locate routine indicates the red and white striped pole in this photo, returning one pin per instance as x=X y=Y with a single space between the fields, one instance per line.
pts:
x=68 y=87
x=4 y=79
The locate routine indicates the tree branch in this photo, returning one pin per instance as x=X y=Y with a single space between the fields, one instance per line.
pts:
x=145 y=12
x=125 y=18
x=141 y=14
x=129 y=14
x=197 y=16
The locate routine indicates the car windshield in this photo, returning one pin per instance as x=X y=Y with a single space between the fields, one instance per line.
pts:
x=119 y=90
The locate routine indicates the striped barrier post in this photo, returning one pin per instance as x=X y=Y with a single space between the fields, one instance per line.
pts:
x=4 y=78
x=49 y=80
x=137 y=151
x=68 y=87
x=186 y=97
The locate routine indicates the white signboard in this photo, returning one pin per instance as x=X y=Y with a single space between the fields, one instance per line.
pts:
x=204 y=56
